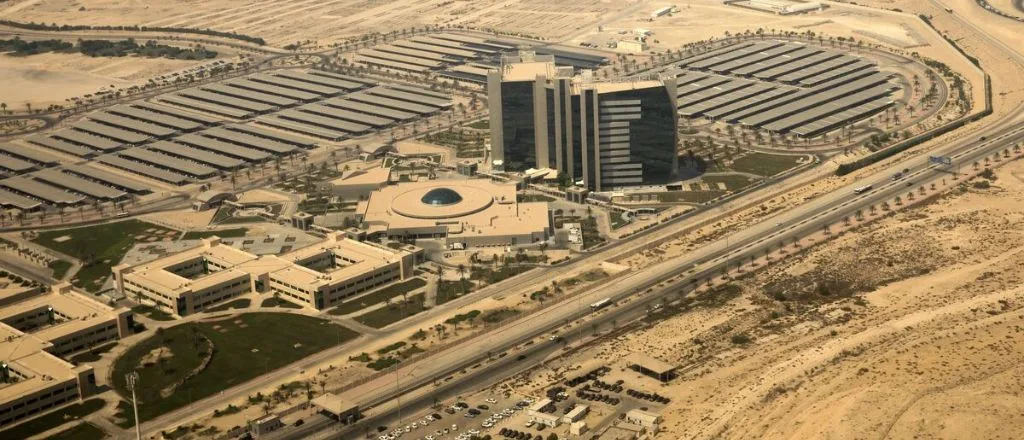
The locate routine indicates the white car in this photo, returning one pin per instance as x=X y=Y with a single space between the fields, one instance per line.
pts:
x=487 y=424
x=491 y=400
x=455 y=428
x=530 y=423
x=473 y=432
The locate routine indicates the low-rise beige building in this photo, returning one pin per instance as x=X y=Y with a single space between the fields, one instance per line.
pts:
x=473 y=212
x=358 y=184
x=35 y=333
x=318 y=276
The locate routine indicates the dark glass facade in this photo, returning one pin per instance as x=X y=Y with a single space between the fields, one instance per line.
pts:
x=517 y=122
x=652 y=137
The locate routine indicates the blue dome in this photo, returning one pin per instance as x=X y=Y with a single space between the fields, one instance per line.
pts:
x=441 y=197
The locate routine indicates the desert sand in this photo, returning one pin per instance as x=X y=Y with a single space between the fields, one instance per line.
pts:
x=52 y=78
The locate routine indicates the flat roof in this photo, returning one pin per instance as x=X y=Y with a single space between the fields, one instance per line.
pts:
x=77 y=184
x=62 y=146
x=835 y=121
x=361 y=81
x=360 y=258
x=469 y=39
x=713 y=53
x=348 y=115
x=298 y=127
x=250 y=140
x=117 y=134
x=27 y=355
x=196 y=154
x=797 y=64
x=130 y=124
x=115 y=180
x=527 y=70
x=297 y=95
x=15 y=164
x=175 y=112
x=384 y=101
x=344 y=103
x=41 y=191
x=451 y=45
x=187 y=167
x=486 y=209
x=13 y=200
x=291 y=84
x=809 y=71
x=741 y=53
x=775 y=93
x=812 y=99
x=650 y=363
x=225 y=100
x=724 y=100
x=334 y=404
x=407 y=59
x=221 y=147
x=730 y=88
x=195 y=104
x=770 y=63
x=249 y=95
x=704 y=84
x=274 y=135
x=828 y=107
x=323 y=121
x=418 y=98
x=418 y=53
x=88 y=140
x=442 y=50
x=173 y=122
x=377 y=175
x=756 y=57
x=830 y=75
x=387 y=62
x=30 y=154
x=337 y=83
x=143 y=169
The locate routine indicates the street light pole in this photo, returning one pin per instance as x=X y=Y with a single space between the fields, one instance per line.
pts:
x=132 y=379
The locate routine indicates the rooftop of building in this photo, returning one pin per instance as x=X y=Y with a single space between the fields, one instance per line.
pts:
x=155 y=274
x=79 y=311
x=371 y=176
x=482 y=207
x=366 y=257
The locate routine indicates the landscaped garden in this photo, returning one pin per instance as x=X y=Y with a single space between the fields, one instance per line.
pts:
x=100 y=247
x=177 y=365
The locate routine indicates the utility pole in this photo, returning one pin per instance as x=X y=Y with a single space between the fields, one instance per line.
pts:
x=132 y=379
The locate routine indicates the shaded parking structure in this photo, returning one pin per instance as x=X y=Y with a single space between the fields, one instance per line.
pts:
x=782 y=87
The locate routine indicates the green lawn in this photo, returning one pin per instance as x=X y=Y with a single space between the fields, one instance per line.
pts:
x=734 y=182
x=240 y=303
x=616 y=220
x=688 y=196
x=384 y=316
x=53 y=419
x=278 y=302
x=246 y=346
x=764 y=164
x=398 y=289
x=483 y=124
x=449 y=290
x=92 y=355
x=152 y=313
x=222 y=233
x=83 y=431
x=101 y=246
x=60 y=268
x=523 y=198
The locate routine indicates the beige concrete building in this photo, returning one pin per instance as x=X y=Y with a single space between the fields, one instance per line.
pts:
x=317 y=276
x=464 y=212
x=34 y=332
x=358 y=184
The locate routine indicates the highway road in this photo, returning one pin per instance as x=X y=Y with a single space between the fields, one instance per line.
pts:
x=699 y=264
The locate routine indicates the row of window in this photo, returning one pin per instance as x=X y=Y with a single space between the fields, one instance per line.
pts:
x=33 y=411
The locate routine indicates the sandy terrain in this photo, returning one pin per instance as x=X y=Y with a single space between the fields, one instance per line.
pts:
x=860 y=337
x=51 y=78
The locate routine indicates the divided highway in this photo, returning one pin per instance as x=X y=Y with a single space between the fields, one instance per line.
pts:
x=699 y=264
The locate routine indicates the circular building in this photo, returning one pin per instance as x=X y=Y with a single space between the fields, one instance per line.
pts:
x=468 y=212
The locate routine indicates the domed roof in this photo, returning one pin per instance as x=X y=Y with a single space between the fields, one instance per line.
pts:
x=441 y=197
